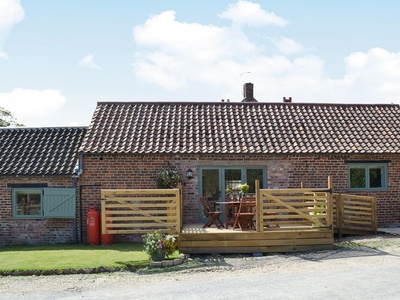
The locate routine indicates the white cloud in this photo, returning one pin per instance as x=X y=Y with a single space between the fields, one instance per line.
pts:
x=184 y=51
x=177 y=55
x=373 y=74
x=288 y=46
x=11 y=12
x=251 y=14
x=29 y=105
x=88 y=62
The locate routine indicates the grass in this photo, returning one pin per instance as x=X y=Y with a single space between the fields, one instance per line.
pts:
x=73 y=256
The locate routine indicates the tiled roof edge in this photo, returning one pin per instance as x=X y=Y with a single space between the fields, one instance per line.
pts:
x=241 y=103
x=43 y=128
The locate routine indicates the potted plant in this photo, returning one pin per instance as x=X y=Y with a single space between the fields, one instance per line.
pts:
x=168 y=178
x=159 y=245
x=244 y=188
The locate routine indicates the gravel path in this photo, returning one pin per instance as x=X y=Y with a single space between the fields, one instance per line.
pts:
x=364 y=253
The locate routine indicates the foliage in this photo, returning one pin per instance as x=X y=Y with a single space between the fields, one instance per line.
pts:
x=168 y=178
x=244 y=188
x=228 y=192
x=7 y=118
x=318 y=210
x=154 y=242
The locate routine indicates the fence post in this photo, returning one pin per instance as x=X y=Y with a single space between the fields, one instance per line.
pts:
x=259 y=208
x=339 y=214
x=179 y=212
x=330 y=204
x=330 y=183
x=374 y=220
x=103 y=217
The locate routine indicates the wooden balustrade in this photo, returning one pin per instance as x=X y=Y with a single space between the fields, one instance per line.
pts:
x=141 y=211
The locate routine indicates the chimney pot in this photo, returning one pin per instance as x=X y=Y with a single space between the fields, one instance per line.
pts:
x=287 y=100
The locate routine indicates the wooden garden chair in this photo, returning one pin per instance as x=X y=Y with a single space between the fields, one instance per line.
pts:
x=213 y=216
x=245 y=216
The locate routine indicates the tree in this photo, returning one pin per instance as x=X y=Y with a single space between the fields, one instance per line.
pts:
x=7 y=118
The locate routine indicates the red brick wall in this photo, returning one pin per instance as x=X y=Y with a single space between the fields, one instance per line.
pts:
x=131 y=172
x=139 y=171
x=32 y=231
x=283 y=171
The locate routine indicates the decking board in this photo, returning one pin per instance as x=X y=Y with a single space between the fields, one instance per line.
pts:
x=213 y=240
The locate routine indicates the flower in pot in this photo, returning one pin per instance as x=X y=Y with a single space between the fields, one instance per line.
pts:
x=159 y=245
x=244 y=188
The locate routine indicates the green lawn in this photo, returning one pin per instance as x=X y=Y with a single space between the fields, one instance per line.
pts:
x=72 y=256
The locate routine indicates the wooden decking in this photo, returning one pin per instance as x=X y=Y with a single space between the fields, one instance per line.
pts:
x=286 y=220
x=194 y=239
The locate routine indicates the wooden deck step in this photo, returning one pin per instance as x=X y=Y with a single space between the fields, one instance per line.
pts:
x=197 y=240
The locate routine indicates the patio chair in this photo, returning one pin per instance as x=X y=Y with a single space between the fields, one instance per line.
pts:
x=245 y=216
x=213 y=216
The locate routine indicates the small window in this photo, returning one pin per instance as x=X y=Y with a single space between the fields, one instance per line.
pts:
x=27 y=203
x=368 y=176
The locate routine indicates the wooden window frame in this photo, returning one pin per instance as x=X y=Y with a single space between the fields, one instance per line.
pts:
x=16 y=206
x=366 y=166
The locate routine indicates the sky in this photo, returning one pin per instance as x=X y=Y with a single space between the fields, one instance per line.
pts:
x=59 y=58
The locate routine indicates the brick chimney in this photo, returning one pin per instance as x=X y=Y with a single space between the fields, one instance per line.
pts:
x=248 y=93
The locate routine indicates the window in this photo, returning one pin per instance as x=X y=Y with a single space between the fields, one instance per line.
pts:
x=34 y=202
x=368 y=176
x=27 y=202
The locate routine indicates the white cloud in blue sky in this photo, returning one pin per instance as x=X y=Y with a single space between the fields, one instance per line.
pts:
x=251 y=14
x=88 y=62
x=180 y=52
x=287 y=45
x=11 y=13
x=28 y=102
x=172 y=53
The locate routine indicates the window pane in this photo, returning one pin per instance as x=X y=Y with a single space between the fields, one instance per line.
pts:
x=375 y=177
x=357 y=177
x=232 y=181
x=28 y=203
x=211 y=187
x=252 y=176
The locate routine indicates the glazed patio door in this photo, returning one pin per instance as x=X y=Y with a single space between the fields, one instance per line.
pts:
x=210 y=187
x=215 y=181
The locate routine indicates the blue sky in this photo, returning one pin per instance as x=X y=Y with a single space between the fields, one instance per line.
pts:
x=59 y=58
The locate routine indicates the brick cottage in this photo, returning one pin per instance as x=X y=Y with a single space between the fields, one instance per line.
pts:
x=227 y=143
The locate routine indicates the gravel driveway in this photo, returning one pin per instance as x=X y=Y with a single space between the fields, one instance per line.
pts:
x=359 y=268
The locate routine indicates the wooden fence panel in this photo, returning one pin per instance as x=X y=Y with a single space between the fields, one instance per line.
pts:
x=293 y=207
x=141 y=211
x=355 y=214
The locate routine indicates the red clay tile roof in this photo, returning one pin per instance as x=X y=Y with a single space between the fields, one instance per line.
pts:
x=231 y=127
x=39 y=151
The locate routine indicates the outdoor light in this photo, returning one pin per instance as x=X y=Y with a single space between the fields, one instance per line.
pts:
x=189 y=174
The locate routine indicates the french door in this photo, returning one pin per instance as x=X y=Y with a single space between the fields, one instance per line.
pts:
x=216 y=183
